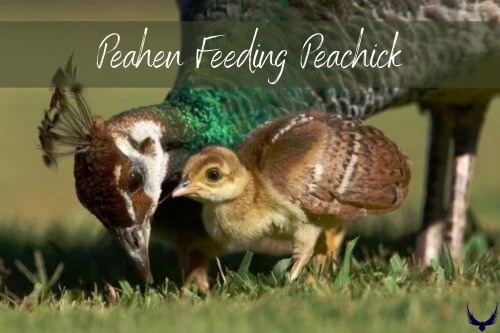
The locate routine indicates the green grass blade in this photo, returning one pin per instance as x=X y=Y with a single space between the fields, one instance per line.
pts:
x=345 y=268
x=440 y=277
x=448 y=265
x=55 y=276
x=390 y=284
x=40 y=268
x=245 y=264
x=435 y=264
x=126 y=288
x=26 y=272
x=397 y=265
x=280 y=269
x=476 y=247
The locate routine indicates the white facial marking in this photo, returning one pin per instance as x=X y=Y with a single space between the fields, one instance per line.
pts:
x=129 y=204
x=125 y=195
x=154 y=165
x=118 y=173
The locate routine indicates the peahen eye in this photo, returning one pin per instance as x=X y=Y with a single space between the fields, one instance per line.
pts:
x=135 y=181
x=213 y=174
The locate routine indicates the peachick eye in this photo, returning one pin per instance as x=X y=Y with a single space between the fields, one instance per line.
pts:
x=135 y=181
x=213 y=174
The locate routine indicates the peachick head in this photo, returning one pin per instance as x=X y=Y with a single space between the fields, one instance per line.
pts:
x=215 y=174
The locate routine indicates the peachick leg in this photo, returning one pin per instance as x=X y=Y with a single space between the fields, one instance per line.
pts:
x=195 y=266
x=430 y=237
x=328 y=246
x=304 y=240
x=199 y=277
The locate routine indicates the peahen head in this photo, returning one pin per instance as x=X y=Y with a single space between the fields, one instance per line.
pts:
x=120 y=164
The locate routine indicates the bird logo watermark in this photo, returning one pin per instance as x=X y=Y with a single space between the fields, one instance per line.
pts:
x=481 y=325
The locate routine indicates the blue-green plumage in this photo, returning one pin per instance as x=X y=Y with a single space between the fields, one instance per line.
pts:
x=225 y=116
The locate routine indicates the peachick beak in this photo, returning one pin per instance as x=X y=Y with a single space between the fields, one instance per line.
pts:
x=135 y=241
x=185 y=188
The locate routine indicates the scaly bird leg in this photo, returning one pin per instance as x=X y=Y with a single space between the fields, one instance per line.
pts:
x=328 y=246
x=466 y=135
x=195 y=266
x=430 y=238
x=463 y=125
x=304 y=241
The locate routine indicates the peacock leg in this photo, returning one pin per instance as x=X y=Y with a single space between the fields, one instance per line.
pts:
x=466 y=135
x=430 y=236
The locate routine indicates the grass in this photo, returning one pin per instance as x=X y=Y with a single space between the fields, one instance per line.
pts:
x=283 y=311
x=289 y=309
x=375 y=289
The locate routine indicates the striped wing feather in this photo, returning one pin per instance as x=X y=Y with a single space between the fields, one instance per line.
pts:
x=365 y=170
x=331 y=165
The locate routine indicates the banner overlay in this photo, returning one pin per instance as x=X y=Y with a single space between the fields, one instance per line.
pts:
x=361 y=54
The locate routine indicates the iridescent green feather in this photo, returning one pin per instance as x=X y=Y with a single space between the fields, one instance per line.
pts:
x=225 y=116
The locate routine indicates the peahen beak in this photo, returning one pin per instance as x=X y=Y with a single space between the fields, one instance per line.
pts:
x=135 y=241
